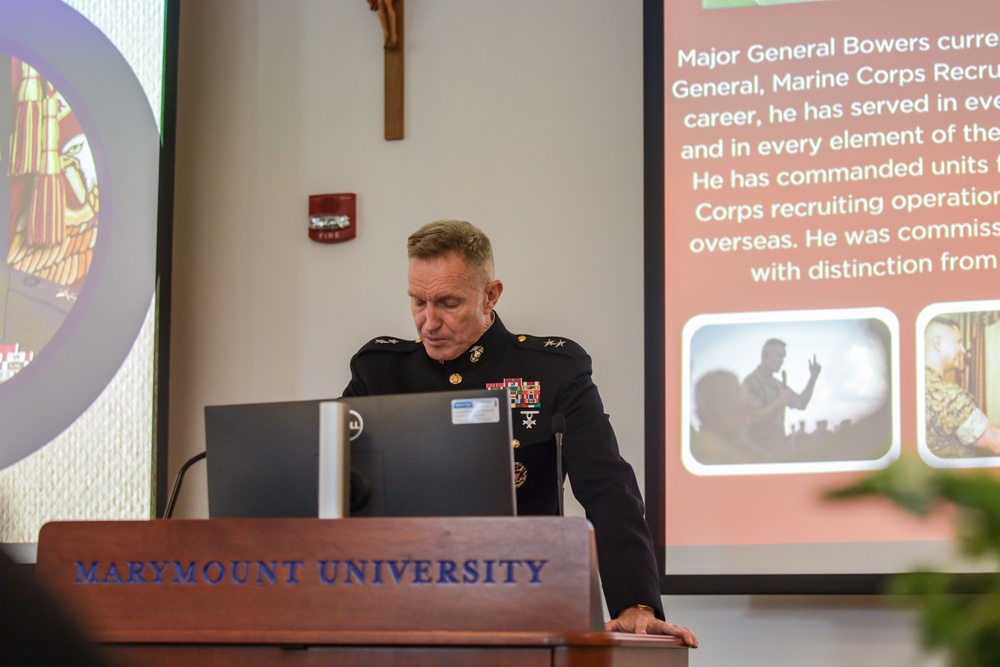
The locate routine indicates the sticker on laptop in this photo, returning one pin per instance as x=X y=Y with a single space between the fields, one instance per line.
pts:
x=475 y=411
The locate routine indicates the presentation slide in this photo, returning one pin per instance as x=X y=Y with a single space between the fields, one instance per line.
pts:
x=80 y=99
x=831 y=295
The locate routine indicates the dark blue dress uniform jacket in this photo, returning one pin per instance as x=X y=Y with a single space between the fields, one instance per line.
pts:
x=602 y=481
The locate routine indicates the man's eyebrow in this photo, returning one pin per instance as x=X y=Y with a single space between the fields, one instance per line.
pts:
x=440 y=297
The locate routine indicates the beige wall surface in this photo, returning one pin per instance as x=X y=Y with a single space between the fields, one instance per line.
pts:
x=522 y=116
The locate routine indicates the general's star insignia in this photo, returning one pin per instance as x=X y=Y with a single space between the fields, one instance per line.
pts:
x=529 y=418
x=386 y=341
x=554 y=343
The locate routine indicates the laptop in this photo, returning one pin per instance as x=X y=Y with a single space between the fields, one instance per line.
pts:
x=427 y=454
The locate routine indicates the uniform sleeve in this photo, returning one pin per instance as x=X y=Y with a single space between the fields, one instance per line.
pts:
x=356 y=387
x=972 y=428
x=605 y=485
x=951 y=411
x=373 y=367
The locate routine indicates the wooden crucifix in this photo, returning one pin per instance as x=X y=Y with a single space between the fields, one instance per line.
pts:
x=390 y=14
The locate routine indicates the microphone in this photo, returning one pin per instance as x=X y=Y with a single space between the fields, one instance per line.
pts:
x=558 y=428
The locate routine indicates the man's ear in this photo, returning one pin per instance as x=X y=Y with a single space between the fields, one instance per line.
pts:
x=494 y=289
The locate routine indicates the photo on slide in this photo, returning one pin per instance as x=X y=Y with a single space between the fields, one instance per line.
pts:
x=729 y=4
x=790 y=392
x=958 y=384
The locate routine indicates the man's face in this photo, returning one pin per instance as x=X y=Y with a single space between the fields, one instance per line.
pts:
x=772 y=357
x=951 y=348
x=451 y=305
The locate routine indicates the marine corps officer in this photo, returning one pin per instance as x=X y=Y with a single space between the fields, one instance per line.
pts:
x=463 y=344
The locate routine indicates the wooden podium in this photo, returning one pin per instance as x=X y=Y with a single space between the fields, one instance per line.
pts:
x=448 y=591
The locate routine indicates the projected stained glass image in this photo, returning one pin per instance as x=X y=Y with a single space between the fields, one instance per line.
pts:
x=49 y=189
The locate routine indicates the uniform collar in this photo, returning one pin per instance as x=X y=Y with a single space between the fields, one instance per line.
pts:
x=488 y=344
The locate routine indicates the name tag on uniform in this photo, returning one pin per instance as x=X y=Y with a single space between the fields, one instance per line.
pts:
x=475 y=411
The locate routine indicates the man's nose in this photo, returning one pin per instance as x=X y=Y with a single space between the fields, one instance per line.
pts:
x=433 y=318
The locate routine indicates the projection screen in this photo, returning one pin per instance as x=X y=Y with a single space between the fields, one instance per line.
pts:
x=822 y=233
x=81 y=93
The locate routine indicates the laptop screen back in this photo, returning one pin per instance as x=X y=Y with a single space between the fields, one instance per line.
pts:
x=431 y=454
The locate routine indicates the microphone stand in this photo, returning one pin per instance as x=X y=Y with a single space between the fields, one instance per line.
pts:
x=558 y=428
x=168 y=511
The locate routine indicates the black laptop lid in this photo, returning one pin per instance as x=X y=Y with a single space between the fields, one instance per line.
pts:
x=429 y=454
x=432 y=454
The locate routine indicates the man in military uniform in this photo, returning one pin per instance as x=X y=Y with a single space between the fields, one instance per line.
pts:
x=769 y=397
x=463 y=344
x=956 y=426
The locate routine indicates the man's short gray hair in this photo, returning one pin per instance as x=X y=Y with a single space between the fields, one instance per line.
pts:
x=437 y=239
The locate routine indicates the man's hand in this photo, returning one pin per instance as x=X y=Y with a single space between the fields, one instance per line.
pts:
x=643 y=622
x=814 y=367
x=786 y=397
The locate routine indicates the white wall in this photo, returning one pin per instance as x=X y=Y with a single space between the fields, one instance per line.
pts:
x=522 y=116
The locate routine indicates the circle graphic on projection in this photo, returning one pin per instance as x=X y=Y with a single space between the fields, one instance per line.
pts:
x=78 y=207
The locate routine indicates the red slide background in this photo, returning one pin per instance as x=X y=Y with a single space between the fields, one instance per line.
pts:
x=788 y=508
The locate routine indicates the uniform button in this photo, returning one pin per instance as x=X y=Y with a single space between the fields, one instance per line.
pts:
x=455 y=378
x=516 y=443
x=521 y=339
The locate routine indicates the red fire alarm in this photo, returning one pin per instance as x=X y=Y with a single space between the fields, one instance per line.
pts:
x=332 y=218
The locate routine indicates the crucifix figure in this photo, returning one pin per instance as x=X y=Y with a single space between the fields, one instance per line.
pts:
x=390 y=14
x=387 y=16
